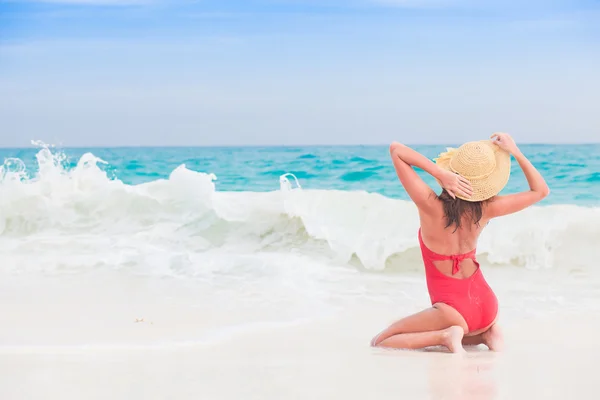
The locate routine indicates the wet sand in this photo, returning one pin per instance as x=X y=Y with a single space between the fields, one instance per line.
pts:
x=330 y=359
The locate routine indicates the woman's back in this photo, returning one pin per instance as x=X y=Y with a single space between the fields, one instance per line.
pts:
x=450 y=240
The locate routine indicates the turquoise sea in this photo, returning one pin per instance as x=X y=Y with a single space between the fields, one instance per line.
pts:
x=572 y=171
x=350 y=206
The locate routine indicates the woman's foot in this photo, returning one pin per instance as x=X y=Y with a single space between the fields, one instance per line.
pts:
x=453 y=339
x=376 y=340
x=493 y=338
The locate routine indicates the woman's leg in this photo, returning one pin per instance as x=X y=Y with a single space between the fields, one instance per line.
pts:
x=437 y=318
x=492 y=338
x=449 y=337
x=472 y=340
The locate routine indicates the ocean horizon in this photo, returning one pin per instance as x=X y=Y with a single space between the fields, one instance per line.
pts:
x=572 y=171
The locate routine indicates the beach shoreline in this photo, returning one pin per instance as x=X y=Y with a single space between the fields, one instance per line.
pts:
x=320 y=360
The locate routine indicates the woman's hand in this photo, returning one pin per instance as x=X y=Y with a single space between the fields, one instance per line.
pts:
x=505 y=142
x=455 y=184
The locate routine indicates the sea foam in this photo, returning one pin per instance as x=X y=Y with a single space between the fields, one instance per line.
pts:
x=185 y=214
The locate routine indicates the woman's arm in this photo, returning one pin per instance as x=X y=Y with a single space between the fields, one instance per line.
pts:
x=538 y=189
x=404 y=158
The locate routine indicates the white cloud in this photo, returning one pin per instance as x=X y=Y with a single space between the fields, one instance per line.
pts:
x=537 y=5
x=96 y=2
x=422 y=3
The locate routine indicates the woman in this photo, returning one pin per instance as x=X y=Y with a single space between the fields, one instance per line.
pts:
x=464 y=308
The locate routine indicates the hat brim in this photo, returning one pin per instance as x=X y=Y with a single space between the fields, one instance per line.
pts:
x=491 y=185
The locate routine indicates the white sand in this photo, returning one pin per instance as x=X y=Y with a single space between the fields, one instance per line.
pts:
x=89 y=349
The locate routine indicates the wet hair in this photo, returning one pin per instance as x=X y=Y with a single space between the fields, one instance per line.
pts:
x=457 y=209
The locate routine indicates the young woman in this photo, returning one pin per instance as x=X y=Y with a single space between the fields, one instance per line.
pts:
x=464 y=307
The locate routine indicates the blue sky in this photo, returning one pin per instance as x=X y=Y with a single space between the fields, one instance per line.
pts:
x=136 y=72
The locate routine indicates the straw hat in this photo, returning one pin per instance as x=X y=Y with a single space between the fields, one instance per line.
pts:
x=484 y=164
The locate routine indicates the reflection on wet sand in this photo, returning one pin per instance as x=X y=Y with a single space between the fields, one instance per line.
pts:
x=463 y=376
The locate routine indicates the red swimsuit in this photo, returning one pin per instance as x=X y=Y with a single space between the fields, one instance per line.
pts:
x=472 y=297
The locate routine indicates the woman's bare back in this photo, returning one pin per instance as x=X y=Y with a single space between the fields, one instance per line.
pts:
x=450 y=240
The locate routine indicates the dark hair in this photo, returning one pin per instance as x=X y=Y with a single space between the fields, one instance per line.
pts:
x=456 y=209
